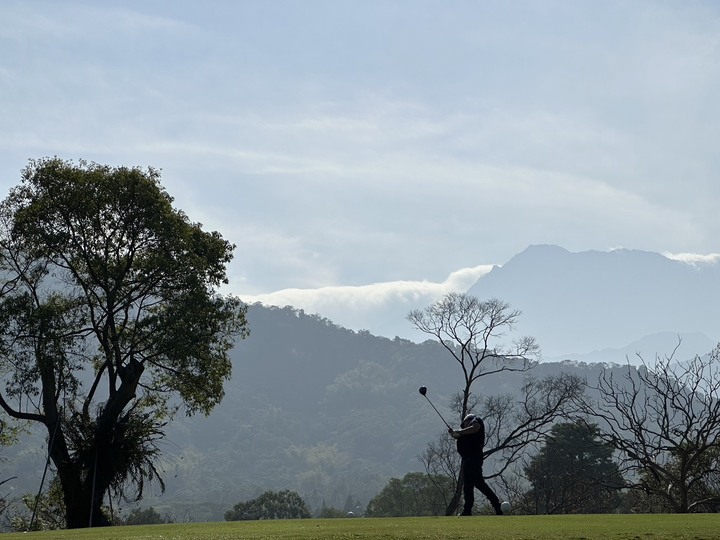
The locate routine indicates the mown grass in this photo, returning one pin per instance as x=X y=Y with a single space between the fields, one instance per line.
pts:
x=595 y=527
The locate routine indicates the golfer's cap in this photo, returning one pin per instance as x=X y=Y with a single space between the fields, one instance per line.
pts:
x=469 y=419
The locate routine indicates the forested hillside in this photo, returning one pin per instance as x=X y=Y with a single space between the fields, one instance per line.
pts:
x=316 y=408
x=312 y=407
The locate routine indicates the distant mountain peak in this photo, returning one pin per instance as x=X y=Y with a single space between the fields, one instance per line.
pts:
x=594 y=300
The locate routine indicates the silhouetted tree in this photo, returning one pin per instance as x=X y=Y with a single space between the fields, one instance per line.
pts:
x=574 y=473
x=706 y=490
x=664 y=421
x=472 y=332
x=270 y=505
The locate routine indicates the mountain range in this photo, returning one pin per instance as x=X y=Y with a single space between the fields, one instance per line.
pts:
x=593 y=305
x=604 y=305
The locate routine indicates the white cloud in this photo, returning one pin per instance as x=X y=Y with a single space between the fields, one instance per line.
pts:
x=694 y=258
x=380 y=307
x=376 y=294
x=82 y=22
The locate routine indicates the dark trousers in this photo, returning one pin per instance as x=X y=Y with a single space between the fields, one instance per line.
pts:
x=473 y=478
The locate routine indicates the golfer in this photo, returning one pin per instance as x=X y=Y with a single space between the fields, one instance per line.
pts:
x=470 y=441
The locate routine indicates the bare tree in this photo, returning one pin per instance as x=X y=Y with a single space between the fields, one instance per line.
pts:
x=664 y=421
x=515 y=423
x=441 y=460
x=472 y=331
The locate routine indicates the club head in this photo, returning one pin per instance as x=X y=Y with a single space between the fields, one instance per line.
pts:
x=422 y=390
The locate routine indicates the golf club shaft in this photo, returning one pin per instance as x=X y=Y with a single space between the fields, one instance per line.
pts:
x=438 y=412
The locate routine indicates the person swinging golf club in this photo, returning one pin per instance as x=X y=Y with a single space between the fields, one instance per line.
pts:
x=470 y=442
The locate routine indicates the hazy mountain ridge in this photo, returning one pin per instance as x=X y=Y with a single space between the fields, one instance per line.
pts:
x=680 y=346
x=592 y=304
x=595 y=301
x=320 y=409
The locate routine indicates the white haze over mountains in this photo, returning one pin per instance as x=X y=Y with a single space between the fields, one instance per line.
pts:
x=591 y=306
x=694 y=258
x=379 y=308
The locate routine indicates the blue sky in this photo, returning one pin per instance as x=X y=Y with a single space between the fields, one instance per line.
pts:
x=375 y=148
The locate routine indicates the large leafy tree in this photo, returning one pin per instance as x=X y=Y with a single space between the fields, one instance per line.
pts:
x=573 y=473
x=110 y=321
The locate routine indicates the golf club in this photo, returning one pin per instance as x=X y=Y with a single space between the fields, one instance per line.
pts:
x=423 y=393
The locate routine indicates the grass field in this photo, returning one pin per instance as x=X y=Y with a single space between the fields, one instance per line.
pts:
x=595 y=527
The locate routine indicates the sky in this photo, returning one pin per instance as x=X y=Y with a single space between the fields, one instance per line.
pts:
x=356 y=151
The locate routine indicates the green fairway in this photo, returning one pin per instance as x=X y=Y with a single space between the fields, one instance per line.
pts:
x=594 y=527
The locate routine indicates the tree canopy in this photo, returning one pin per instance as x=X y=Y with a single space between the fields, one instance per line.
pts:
x=110 y=321
x=573 y=473
x=415 y=494
x=284 y=504
x=145 y=516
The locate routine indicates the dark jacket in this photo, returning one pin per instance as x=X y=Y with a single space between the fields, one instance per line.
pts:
x=471 y=446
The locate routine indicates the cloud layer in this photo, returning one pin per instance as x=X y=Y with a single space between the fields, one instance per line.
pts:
x=380 y=308
x=343 y=144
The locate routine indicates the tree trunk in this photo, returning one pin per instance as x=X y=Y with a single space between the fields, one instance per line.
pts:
x=454 y=503
x=83 y=490
x=69 y=475
x=86 y=478
x=86 y=499
x=78 y=508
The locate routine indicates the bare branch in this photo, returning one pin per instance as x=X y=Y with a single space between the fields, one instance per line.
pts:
x=664 y=420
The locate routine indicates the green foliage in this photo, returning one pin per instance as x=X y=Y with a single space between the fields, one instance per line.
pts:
x=330 y=512
x=130 y=446
x=109 y=312
x=284 y=504
x=145 y=516
x=9 y=433
x=574 y=473
x=416 y=494
x=48 y=507
x=141 y=274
